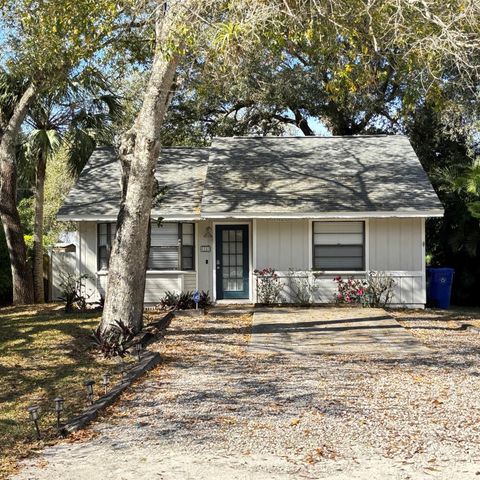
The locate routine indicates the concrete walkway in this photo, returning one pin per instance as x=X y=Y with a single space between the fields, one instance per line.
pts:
x=331 y=331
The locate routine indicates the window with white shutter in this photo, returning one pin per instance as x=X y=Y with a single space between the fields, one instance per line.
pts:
x=172 y=246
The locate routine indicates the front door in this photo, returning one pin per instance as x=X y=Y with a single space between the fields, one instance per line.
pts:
x=232 y=270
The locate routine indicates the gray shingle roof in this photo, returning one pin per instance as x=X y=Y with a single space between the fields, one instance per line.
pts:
x=306 y=175
x=271 y=176
x=97 y=191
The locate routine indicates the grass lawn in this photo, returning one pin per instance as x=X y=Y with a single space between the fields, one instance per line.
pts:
x=44 y=353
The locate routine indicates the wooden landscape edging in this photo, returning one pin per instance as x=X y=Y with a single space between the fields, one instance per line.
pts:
x=148 y=360
x=467 y=326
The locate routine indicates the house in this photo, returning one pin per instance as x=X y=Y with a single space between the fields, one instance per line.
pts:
x=324 y=206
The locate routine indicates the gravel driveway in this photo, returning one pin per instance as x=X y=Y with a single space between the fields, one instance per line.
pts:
x=216 y=409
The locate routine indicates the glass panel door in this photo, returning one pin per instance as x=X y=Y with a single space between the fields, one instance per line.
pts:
x=232 y=261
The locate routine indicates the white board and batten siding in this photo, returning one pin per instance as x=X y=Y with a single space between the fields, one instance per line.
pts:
x=397 y=246
x=204 y=255
x=87 y=259
x=282 y=244
x=392 y=245
x=157 y=282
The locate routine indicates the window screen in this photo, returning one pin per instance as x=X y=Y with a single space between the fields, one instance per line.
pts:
x=338 y=246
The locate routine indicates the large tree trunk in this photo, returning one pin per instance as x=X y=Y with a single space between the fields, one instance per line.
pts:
x=21 y=273
x=38 y=287
x=138 y=154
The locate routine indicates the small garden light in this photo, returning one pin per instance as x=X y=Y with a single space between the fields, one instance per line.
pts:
x=59 y=401
x=33 y=411
x=138 y=349
x=89 y=386
x=122 y=368
x=106 y=381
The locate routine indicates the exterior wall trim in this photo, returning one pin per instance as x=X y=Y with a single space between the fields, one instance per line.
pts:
x=113 y=218
x=251 y=216
x=196 y=253
x=325 y=215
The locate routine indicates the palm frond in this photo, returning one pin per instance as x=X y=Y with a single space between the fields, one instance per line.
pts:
x=80 y=145
x=474 y=209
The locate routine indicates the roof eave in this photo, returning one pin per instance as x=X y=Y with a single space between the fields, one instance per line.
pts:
x=313 y=215
x=250 y=215
x=113 y=218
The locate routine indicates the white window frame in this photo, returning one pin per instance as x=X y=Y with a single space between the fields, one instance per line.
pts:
x=149 y=270
x=340 y=272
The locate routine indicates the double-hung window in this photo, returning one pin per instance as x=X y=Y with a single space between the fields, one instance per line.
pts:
x=172 y=246
x=164 y=247
x=339 y=246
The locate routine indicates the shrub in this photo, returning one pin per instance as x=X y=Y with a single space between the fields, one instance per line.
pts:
x=379 y=289
x=269 y=287
x=184 y=300
x=302 y=287
x=376 y=290
x=115 y=342
x=71 y=292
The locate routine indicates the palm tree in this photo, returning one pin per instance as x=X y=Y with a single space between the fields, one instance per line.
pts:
x=471 y=185
x=77 y=117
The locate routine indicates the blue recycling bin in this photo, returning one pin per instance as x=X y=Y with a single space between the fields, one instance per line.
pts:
x=439 y=286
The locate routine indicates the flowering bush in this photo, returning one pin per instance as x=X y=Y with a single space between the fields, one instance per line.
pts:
x=269 y=287
x=351 y=291
x=376 y=290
